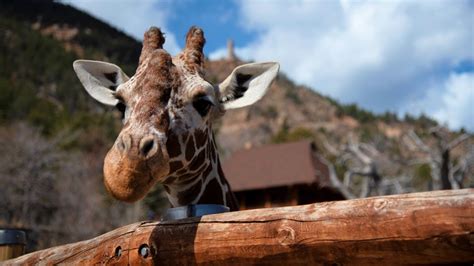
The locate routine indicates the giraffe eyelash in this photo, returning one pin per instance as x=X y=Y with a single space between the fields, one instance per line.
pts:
x=202 y=105
x=121 y=106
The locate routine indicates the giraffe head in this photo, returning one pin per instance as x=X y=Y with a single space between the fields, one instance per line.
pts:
x=168 y=108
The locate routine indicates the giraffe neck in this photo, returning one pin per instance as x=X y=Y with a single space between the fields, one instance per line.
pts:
x=205 y=185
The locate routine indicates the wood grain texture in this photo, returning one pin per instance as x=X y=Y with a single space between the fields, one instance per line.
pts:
x=419 y=228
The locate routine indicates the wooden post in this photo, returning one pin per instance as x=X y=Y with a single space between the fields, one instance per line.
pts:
x=419 y=228
x=12 y=243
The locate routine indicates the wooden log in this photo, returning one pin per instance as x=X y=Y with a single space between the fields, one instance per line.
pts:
x=419 y=228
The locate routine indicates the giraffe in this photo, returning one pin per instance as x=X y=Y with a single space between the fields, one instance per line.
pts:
x=167 y=112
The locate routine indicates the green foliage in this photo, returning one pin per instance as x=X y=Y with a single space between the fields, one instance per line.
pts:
x=37 y=82
x=300 y=133
x=282 y=135
x=363 y=116
x=270 y=112
x=340 y=169
x=292 y=95
x=285 y=135
x=38 y=86
x=423 y=171
x=422 y=177
x=422 y=121
x=394 y=147
x=356 y=112
x=94 y=35
x=368 y=132
x=155 y=200
x=389 y=117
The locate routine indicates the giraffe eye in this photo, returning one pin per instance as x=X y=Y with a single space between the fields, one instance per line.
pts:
x=121 y=107
x=202 y=105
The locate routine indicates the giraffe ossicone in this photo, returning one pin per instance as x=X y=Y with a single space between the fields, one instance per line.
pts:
x=168 y=109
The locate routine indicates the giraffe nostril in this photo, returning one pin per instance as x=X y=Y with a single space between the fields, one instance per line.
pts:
x=123 y=143
x=147 y=147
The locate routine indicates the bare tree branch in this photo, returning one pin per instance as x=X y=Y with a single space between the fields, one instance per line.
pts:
x=454 y=143
x=418 y=142
x=333 y=178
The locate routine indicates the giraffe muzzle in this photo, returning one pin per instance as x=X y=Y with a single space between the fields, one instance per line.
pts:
x=133 y=165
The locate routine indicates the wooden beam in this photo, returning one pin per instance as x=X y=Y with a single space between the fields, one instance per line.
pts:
x=418 y=228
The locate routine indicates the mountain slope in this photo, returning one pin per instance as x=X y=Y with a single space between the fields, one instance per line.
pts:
x=38 y=45
x=39 y=40
x=355 y=140
x=37 y=84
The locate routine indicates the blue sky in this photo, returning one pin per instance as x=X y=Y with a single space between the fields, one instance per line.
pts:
x=218 y=18
x=401 y=56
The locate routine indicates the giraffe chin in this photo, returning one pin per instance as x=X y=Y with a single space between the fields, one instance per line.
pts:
x=130 y=178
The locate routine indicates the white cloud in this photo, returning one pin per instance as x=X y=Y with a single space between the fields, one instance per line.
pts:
x=380 y=54
x=132 y=17
x=456 y=101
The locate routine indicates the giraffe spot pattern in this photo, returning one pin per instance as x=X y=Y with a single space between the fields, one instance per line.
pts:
x=182 y=172
x=175 y=166
x=185 y=137
x=201 y=138
x=172 y=145
x=213 y=153
x=213 y=193
x=190 y=149
x=207 y=171
x=170 y=180
x=158 y=82
x=187 y=196
x=187 y=178
x=219 y=168
x=198 y=160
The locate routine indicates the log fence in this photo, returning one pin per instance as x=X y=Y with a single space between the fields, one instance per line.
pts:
x=419 y=228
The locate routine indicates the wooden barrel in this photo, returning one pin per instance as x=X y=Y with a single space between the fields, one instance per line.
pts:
x=12 y=243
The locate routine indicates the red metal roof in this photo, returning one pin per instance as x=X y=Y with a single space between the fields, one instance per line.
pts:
x=274 y=165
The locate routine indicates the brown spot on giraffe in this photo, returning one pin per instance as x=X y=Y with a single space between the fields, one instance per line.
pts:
x=190 y=194
x=201 y=138
x=188 y=178
x=213 y=153
x=182 y=172
x=213 y=193
x=168 y=109
x=190 y=148
x=197 y=161
x=175 y=166
x=173 y=146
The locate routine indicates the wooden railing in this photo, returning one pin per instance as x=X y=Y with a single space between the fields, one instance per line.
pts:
x=419 y=228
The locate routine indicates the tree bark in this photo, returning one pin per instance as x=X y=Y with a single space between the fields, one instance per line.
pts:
x=444 y=169
x=419 y=228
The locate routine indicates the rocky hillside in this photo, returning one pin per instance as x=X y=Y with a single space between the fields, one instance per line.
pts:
x=53 y=137
x=45 y=111
x=407 y=151
x=37 y=85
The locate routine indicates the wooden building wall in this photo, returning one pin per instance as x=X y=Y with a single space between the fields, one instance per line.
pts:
x=286 y=196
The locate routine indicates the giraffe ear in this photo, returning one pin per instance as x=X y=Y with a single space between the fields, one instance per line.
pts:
x=247 y=84
x=100 y=79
